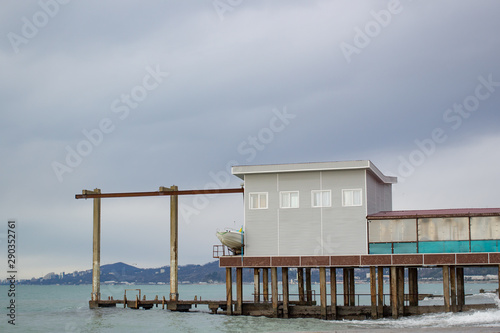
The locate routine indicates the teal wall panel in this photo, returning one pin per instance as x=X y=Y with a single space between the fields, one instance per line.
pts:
x=456 y=246
x=380 y=248
x=405 y=247
x=431 y=247
x=443 y=247
x=484 y=245
x=436 y=247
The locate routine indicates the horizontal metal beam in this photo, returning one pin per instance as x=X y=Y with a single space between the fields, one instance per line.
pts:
x=91 y=195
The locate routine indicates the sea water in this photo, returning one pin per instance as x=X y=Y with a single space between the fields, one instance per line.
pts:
x=65 y=309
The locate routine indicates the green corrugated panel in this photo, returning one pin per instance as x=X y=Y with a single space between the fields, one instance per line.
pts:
x=484 y=246
x=456 y=246
x=405 y=247
x=443 y=247
x=431 y=247
x=380 y=248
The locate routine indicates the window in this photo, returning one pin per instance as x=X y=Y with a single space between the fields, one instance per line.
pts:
x=352 y=198
x=289 y=199
x=258 y=200
x=321 y=198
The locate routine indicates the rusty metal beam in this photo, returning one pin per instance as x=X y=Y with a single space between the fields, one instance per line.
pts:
x=90 y=195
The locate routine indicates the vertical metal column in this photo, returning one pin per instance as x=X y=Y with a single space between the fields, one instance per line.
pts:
x=345 y=272
x=300 y=282
x=401 y=290
x=229 y=291
x=96 y=262
x=333 y=292
x=380 y=307
x=308 y=286
x=352 y=286
x=460 y=289
x=322 y=291
x=453 y=289
x=265 y=284
x=256 y=285
x=284 y=278
x=498 y=281
x=394 y=292
x=446 y=288
x=413 y=286
x=274 y=290
x=174 y=244
x=373 y=291
x=239 y=291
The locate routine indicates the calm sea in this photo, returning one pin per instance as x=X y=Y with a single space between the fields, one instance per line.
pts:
x=65 y=309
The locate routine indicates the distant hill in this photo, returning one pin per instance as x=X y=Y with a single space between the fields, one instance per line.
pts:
x=121 y=273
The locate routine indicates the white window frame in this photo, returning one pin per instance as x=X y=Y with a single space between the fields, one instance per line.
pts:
x=258 y=194
x=345 y=204
x=322 y=204
x=289 y=193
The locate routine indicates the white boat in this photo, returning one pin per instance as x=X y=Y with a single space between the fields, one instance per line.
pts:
x=231 y=238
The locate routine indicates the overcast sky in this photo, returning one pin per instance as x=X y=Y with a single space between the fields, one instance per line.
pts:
x=130 y=96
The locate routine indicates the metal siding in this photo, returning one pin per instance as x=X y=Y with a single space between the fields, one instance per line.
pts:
x=371 y=193
x=261 y=225
x=485 y=227
x=300 y=228
x=305 y=230
x=387 y=197
x=379 y=195
x=443 y=229
x=344 y=228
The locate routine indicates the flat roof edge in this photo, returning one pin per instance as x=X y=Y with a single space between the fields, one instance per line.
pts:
x=241 y=170
x=434 y=213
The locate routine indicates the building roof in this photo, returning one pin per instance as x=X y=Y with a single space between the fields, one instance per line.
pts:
x=433 y=213
x=242 y=170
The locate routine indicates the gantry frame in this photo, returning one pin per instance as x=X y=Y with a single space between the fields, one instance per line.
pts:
x=173 y=192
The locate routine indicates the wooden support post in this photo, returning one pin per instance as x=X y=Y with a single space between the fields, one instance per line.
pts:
x=322 y=291
x=265 y=284
x=96 y=262
x=345 y=274
x=333 y=292
x=401 y=290
x=352 y=291
x=453 y=289
x=284 y=278
x=174 y=244
x=413 y=286
x=274 y=290
x=498 y=281
x=256 y=285
x=239 y=291
x=460 y=289
x=380 y=307
x=394 y=292
x=373 y=292
x=300 y=282
x=229 y=291
x=308 y=286
x=446 y=288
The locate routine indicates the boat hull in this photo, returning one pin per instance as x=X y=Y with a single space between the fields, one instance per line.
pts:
x=232 y=239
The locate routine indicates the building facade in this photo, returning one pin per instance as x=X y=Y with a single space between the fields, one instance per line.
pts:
x=311 y=208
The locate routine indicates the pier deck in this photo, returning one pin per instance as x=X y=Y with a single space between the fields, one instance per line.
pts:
x=296 y=309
